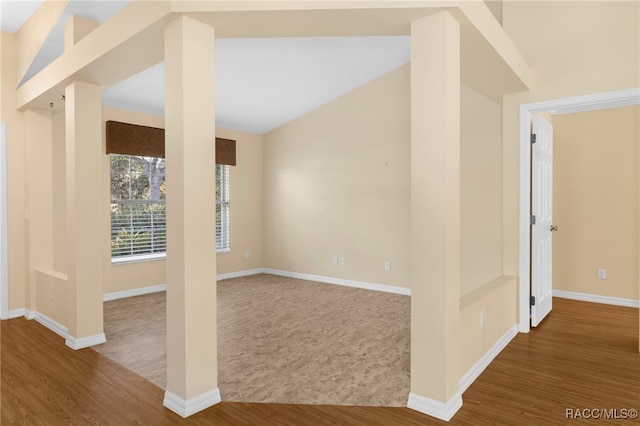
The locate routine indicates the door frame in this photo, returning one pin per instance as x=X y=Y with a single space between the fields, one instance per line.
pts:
x=592 y=102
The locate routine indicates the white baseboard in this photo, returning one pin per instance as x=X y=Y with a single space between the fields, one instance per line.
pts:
x=477 y=369
x=239 y=274
x=192 y=405
x=85 y=342
x=107 y=297
x=134 y=292
x=17 y=313
x=441 y=410
x=52 y=325
x=339 y=281
x=308 y=277
x=62 y=331
x=585 y=297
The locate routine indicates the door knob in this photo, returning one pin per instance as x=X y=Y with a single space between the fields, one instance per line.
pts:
x=554 y=228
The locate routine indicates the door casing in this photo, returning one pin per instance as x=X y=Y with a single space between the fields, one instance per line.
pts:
x=592 y=102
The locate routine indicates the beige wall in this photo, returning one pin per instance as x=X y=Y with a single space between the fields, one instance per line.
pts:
x=39 y=186
x=584 y=48
x=497 y=300
x=245 y=220
x=126 y=276
x=480 y=190
x=246 y=200
x=246 y=208
x=595 y=194
x=51 y=295
x=59 y=193
x=16 y=170
x=336 y=183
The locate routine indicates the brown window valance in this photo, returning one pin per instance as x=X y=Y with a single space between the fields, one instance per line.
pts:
x=133 y=139
x=225 y=151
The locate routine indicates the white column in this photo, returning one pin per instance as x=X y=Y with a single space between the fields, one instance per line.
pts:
x=435 y=215
x=85 y=210
x=192 y=374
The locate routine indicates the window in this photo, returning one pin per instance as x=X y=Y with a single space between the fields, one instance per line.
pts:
x=138 y=218
x=222 y=208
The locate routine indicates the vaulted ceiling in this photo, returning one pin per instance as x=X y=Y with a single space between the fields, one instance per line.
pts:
x=274 y=62
x=261 y=83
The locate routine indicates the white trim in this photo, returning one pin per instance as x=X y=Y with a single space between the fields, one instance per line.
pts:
x=340 y=281
x=85 y=342
x=441 y=410
x=4 y=263
x=239 y=274
x=192 y=405
x=608 y=300
x=123 y=260
x=308 y=277
x=61 y=330
x=17 y=313
x=589 y=102
x=52 y=325
x=596 y=101
x=107 y=297
x=136 y=258
x=477 y=369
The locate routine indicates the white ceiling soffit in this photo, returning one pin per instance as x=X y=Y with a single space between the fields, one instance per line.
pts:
x=14 y=13
x=262 y=83
x=97 y=10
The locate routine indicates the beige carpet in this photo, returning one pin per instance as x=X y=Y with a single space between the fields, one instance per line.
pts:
x=282 y=340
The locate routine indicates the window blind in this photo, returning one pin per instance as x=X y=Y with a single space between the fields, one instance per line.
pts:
x=223 y=237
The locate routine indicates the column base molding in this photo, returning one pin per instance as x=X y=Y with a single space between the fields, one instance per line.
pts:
x=440 y=410
x=192 y=405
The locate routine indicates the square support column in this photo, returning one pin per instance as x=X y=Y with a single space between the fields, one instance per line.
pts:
x=435 y=215
x=192 y=375
x=85 y=211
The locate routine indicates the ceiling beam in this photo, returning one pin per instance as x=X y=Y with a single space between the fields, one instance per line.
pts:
x=122 y=46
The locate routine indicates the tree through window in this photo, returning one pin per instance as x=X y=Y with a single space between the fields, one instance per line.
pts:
x=138 y=215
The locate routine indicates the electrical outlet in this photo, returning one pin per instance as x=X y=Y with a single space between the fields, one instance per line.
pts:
x=343 y=261
x=387 y=266
x=335 y=260
x=247 y=254
x=482 y=318
x=602 y=274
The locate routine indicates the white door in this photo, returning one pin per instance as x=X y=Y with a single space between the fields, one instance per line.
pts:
x=542 y=225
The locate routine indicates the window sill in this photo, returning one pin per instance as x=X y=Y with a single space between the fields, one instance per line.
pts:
x=149 y=257
x=140 y=258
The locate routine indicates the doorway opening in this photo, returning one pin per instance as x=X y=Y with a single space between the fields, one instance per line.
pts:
x=614 y=99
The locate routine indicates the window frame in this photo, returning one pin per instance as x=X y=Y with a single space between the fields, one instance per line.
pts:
x=225 y=226
x=131 y=202
x=225 y=206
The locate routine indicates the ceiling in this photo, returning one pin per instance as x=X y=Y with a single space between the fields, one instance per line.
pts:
x=261 y=83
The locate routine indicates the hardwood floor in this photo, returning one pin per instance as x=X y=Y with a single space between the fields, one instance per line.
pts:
x=584 y=356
